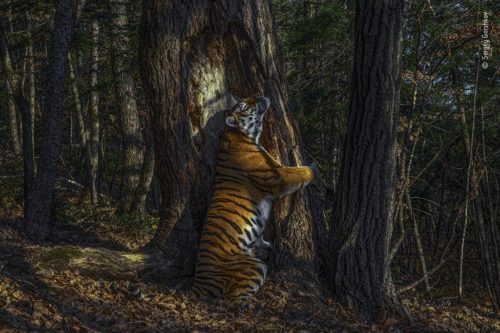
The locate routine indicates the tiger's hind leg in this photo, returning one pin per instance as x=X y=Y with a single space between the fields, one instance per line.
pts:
x=209 y=282
x=247 y=276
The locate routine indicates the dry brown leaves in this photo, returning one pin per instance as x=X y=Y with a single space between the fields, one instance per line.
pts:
x=37 y=300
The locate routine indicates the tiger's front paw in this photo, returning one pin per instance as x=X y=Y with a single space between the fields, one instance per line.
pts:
x=263 y=253
x=262 y=249
x=315 y=170
x=261 y=243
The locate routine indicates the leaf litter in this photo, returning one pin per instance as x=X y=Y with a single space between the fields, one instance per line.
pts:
x=45 y=300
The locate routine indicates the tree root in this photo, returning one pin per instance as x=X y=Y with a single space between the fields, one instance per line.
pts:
x=101 y=263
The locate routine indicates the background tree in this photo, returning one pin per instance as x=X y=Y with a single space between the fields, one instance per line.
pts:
x=133 y=145
x=361 y=222
x=13 y=122
x=93 y=116
x=40 y=199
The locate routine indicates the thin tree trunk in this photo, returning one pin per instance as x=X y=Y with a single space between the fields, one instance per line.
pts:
x=83 y=129
x=14 y=133
x=40 y=200
x=470 y=174
x=31 y=77
x=93 y=143
x=418 y=243
x=14 y=127
x=133 y=146
x=463 y=236
x=83 y=134
x=102 y=154
x=362 y=215
x=195 y=57
x=71 y=130
x=139 y=204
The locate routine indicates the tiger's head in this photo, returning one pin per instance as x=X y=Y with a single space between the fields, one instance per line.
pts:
x=247 y=116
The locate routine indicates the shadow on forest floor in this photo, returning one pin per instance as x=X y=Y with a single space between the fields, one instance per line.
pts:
x=66 y=233
x=37 y=299
x=44 y=300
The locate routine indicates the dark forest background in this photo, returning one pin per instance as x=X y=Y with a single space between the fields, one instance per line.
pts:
x=102 y=180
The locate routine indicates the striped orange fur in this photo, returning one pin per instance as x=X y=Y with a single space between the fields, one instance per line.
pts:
x=247 y=182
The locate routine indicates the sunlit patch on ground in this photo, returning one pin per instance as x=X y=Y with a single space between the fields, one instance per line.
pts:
x=36 y=299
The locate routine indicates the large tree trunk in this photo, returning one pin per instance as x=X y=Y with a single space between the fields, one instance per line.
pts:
x=195 y=57
x=133 y=146
x=40 y=200
x=362 y=223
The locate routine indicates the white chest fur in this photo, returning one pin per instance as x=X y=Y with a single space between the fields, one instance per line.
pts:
x=264 y=208
x=253 y=232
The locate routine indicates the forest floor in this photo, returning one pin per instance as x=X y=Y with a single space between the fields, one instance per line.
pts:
x=36 y=299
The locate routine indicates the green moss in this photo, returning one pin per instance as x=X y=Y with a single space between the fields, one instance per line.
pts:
x=60 y=255
x=133 y=256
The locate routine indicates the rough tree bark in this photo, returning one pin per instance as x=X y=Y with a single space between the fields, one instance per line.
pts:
x=40 y=199
x=133 y=145
x=195 y=57
x=361 y=224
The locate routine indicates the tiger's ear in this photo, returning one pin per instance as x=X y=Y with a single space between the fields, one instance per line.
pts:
x=231 y=122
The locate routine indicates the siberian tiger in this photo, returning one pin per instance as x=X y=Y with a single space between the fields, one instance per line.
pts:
x=247 y=182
